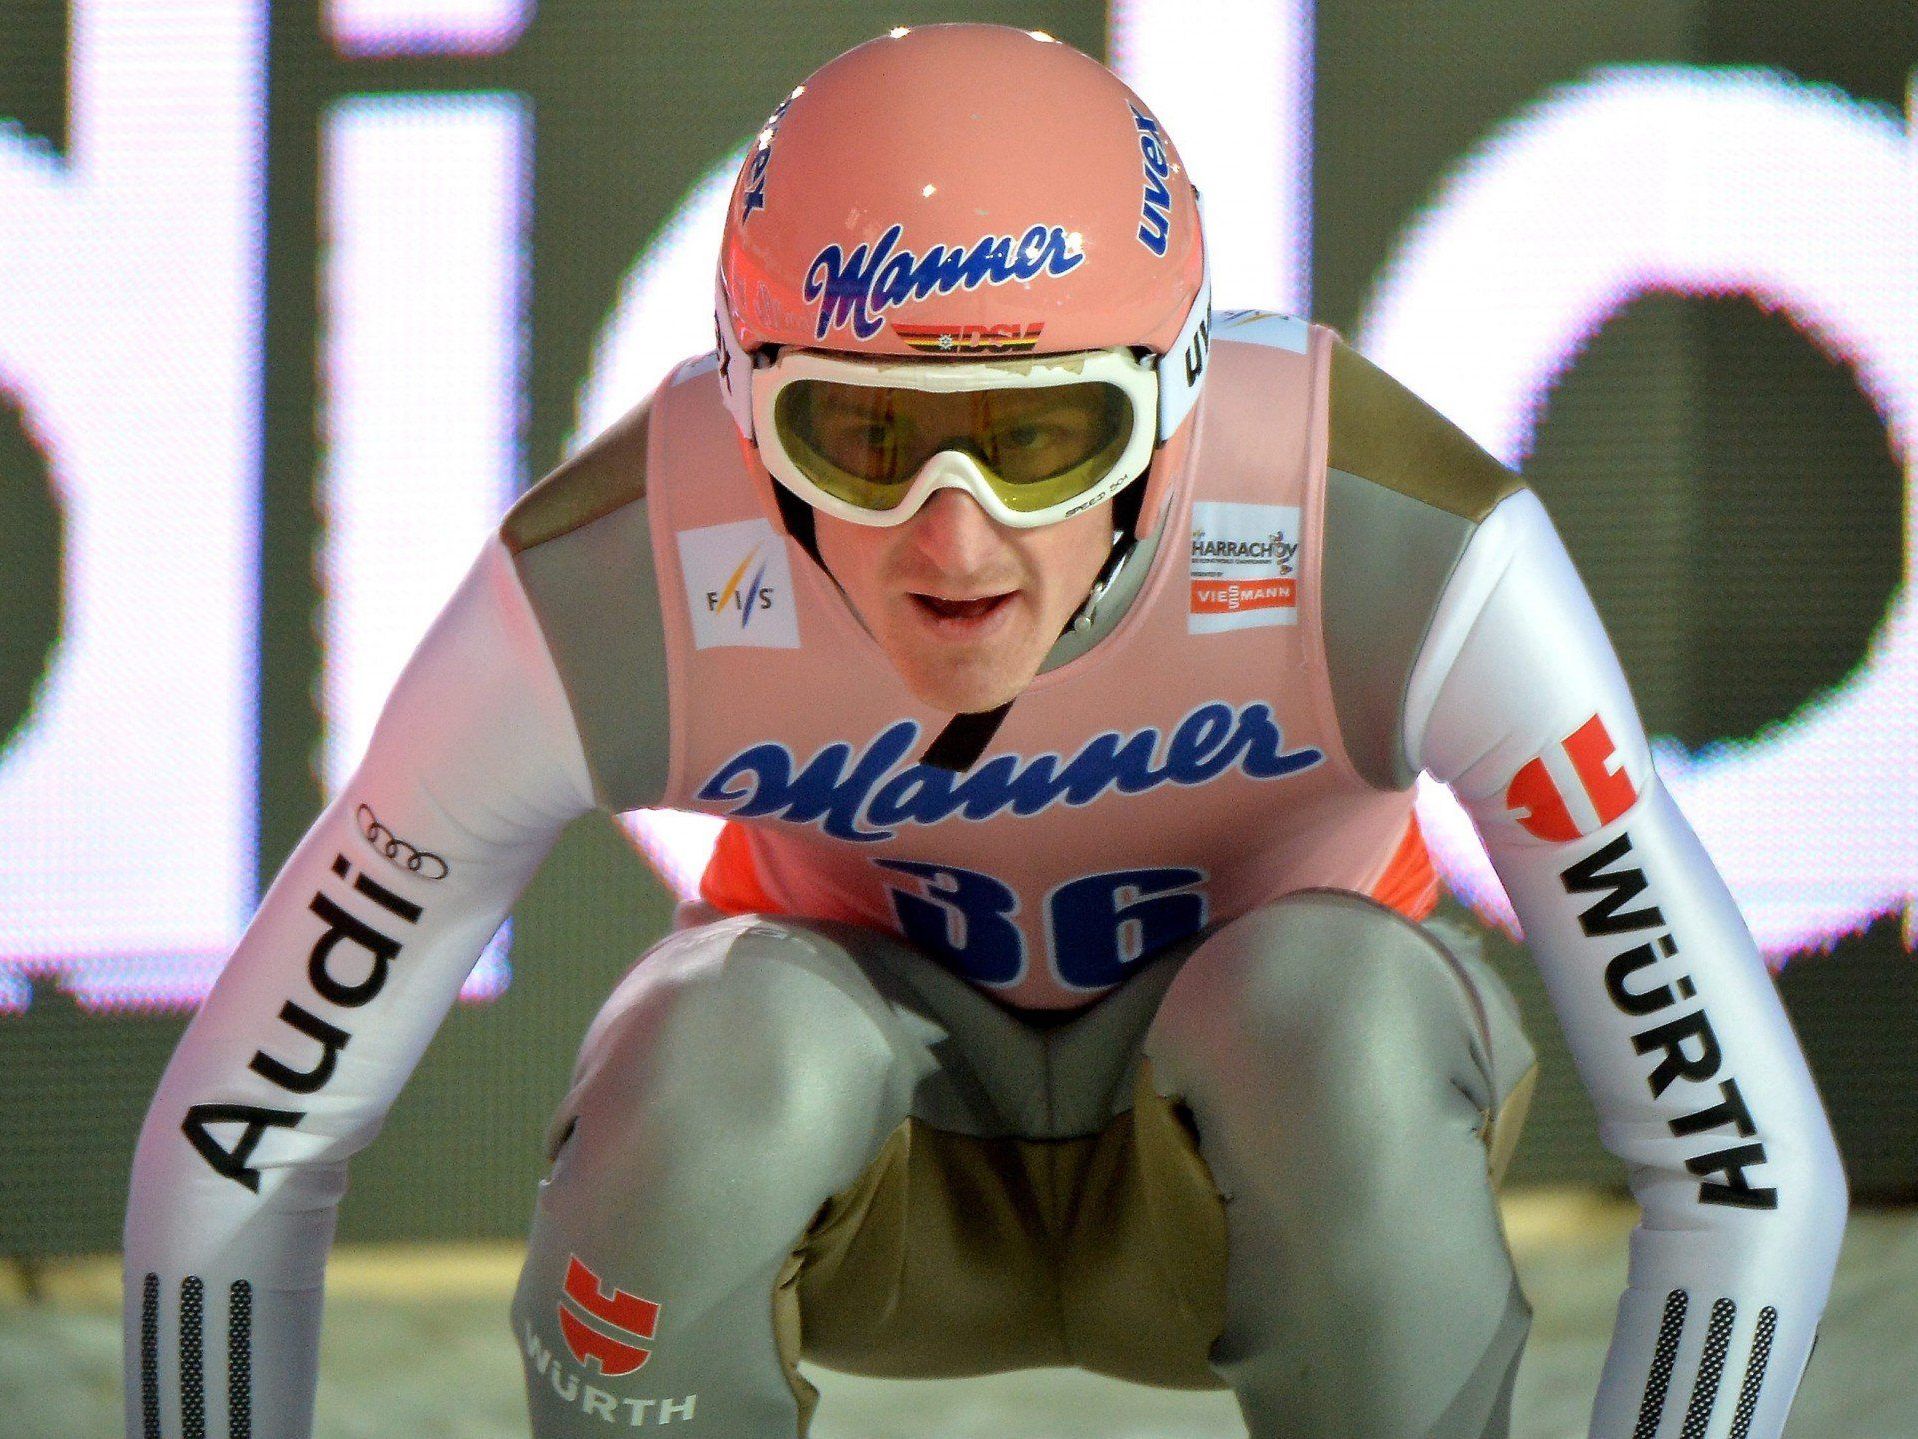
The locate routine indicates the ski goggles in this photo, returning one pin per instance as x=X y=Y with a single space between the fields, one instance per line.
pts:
x=1034 y=441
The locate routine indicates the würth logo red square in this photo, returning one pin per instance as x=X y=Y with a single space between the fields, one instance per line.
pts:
x=617 y=1318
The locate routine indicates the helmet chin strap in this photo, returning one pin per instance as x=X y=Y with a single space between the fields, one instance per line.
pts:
x=1123 y=545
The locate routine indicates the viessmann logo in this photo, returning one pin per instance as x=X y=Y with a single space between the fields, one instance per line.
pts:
x=1244 y=566
x=739 y=586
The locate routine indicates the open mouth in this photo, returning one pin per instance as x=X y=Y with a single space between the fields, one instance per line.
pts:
x=954 y=609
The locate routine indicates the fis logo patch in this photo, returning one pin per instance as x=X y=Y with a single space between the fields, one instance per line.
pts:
x=1244 y=568
x=739 y=586
x=617 y=1318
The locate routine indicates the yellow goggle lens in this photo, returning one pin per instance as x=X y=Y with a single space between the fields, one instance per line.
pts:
x=1039 y=445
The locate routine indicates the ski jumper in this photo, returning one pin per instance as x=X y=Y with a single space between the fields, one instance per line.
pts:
x=1216 y=778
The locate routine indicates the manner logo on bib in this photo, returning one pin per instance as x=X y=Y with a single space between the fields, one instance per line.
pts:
x=1244 y=567
x=739 y=586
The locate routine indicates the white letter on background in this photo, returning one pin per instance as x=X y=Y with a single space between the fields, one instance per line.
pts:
x=129 y=328
x=422 y=371
x=1705 y=182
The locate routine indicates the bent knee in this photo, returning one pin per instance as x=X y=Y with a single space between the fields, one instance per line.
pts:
x=1324 y=991
x=749 y=1032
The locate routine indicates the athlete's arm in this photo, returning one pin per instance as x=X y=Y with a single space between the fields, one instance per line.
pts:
x=357 y=951
x=1517 y=701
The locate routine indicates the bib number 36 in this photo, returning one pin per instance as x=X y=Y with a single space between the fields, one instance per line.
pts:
x=1098 y=927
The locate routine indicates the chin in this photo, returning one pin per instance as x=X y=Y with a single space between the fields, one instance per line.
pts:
x=965 y=688
x=961 y=693
x=967 y=675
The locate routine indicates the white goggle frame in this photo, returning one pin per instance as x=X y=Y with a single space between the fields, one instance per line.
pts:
x=1162 y=395
x=957 y=469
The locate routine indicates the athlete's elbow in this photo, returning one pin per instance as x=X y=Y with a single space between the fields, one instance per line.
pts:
x=1810 y=1199
x=156 y=1205
x=1828 y=1194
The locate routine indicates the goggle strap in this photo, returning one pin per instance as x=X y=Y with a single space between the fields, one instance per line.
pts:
x=735 y=367
x=1183 y=366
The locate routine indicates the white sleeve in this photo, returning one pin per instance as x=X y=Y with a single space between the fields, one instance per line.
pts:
x=1518 y=703
x=327 y=1003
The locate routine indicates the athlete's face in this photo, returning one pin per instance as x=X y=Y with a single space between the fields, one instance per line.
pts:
x=965 y=607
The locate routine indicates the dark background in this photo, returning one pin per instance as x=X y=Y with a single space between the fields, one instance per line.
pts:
x=1696 y=450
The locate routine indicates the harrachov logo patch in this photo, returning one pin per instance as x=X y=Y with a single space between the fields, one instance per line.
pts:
x=739 y=586
x=1244 y=566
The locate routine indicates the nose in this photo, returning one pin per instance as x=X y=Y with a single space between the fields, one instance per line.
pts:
x=955 y=534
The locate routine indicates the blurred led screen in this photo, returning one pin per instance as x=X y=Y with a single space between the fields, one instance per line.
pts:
x=131 y=351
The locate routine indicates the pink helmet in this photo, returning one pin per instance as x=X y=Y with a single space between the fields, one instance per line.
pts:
x=967 y=191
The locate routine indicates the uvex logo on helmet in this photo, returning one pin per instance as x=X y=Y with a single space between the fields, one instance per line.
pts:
x=755 y=197
x=854 y=290
x=1155 y=210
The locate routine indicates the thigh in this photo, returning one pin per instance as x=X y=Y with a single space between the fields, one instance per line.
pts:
x=1145 y=1284
x=1345 y=1071
x=1325 y=1002
x=743 y=1073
